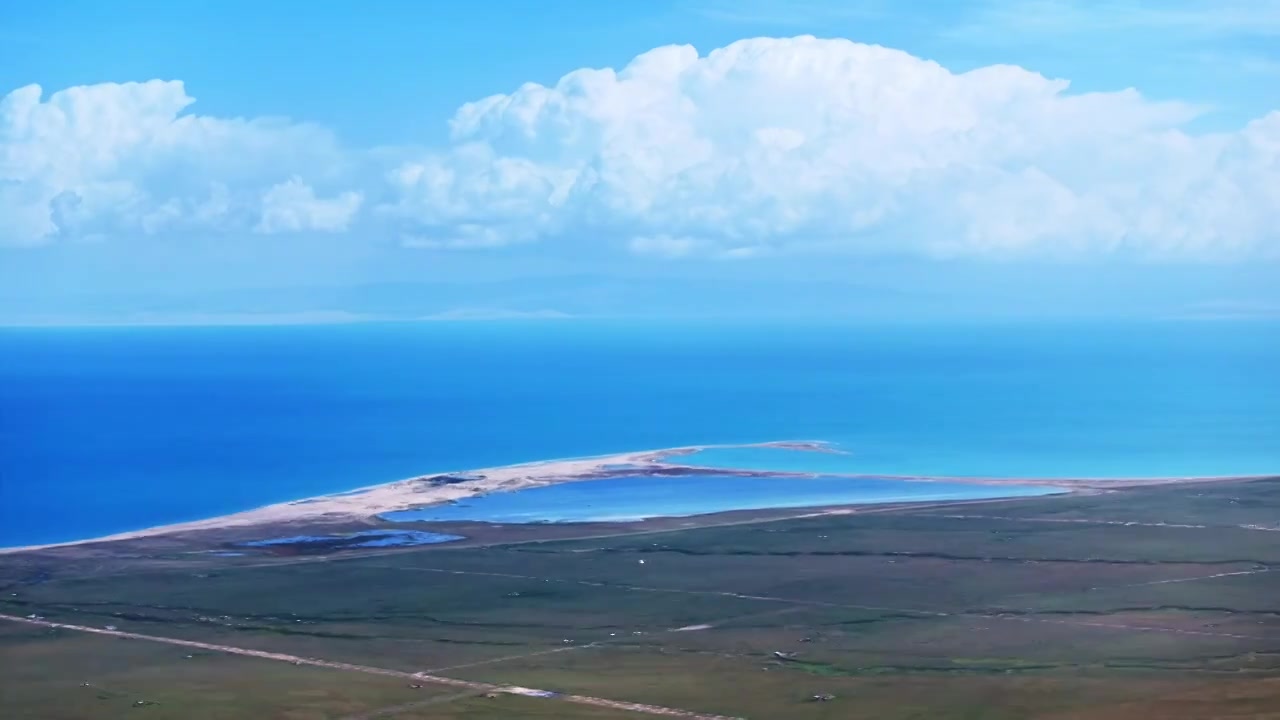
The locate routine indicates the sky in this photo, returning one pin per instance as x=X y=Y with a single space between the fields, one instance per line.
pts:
x=229 y=161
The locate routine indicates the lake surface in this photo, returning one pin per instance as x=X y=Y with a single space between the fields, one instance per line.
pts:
x=932 y=464
x=362 y=539
x=635 y=498
x=108 y=430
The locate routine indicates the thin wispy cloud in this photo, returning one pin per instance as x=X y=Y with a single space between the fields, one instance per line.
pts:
x=1236 y=62
x=788 y=12
x=1230 y=310
x=1189 y=18
x=1259 y=65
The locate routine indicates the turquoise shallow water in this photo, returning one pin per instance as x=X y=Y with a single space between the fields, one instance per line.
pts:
x=932 y=463
x=636 y=498
x=363 y=539
x=109 y=430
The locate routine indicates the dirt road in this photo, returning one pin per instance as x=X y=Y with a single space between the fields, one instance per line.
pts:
x=417 y=677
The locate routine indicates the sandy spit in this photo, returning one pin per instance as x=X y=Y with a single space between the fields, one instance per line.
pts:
x=368 y=502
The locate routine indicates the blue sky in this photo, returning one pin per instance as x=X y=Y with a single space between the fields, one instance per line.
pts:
x=338 y=160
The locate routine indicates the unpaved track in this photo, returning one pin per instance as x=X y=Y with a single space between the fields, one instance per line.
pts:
x=1121 y=523
x=1123 y=626
x=397 y=709
x=851 y=606
x=368 y=670
x=1170 y=581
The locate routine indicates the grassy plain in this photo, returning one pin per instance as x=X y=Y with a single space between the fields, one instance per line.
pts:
x=1156 y=602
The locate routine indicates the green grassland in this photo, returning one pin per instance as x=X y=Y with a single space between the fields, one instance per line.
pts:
x=61 y=674
x=64 y=675
x=1152 y=602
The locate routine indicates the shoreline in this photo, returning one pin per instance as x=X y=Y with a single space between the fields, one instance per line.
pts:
x=368 y=503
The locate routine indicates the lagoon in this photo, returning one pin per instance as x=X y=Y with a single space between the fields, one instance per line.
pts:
x=107 y=430
x=362 y=539
x=628 y=498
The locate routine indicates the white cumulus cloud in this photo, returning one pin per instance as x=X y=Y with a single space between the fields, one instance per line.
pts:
x=292 y=206
x=776 y=143
x=126 y=158
x=764 y=146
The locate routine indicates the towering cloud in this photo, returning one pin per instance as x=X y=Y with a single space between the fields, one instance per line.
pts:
x=762 y=146
x=123 y=159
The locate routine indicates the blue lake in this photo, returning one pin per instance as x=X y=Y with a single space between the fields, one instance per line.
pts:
x=362 y=539
x=635 y=498
x=928 y=461
x=114 y=429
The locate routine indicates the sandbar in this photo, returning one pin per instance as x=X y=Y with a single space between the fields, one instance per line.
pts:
x=368 y=503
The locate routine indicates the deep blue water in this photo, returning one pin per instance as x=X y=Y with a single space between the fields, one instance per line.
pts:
x=106 y=430
x=636 y=498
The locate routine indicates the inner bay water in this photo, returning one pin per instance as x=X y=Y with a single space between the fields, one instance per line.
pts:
x=362 y=539
x=639 y=497
x=1170 y=463
x=114 y=429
